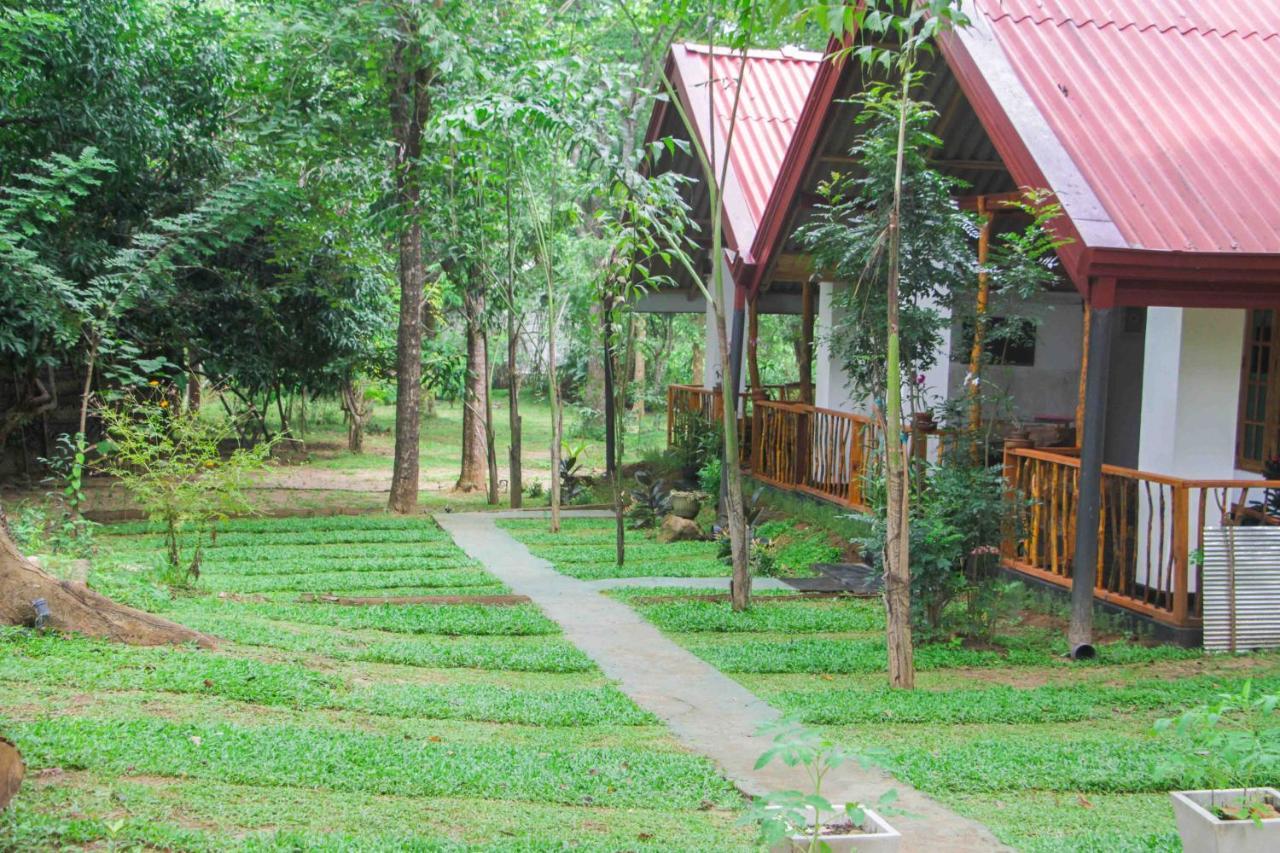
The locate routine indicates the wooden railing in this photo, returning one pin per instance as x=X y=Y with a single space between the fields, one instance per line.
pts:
x=691 y=407
x=1151 y=529
x=821 y=451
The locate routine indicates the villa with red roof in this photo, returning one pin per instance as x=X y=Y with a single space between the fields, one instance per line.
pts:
x=1155 y=373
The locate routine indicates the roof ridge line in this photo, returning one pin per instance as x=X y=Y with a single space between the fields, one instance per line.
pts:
x=1121 y=26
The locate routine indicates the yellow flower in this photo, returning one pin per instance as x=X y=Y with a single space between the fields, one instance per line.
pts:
x=154 y=383
x=208 y=463
x=164 y=404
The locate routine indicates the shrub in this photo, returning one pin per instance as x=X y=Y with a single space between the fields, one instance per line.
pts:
x=649 y=503
x=169 y=461
x=709 y=476
x=958 y=512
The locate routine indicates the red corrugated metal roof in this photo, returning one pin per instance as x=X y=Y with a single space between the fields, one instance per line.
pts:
x=1169 y=109
x=775 y=86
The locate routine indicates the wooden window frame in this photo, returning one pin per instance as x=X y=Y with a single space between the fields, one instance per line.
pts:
x=1271 y=417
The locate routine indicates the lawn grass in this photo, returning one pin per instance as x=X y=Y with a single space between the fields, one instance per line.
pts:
x=322 y=726
x=1051 y=754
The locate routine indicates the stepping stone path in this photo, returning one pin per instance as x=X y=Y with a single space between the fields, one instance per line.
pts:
x=706 y=710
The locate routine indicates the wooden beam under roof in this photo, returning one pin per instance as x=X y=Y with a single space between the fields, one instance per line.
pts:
x=954 y=165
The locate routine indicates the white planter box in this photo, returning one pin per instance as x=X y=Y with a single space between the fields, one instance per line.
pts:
x=1204 y=832
x=877 y=836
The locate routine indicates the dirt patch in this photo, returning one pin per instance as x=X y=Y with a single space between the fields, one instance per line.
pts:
x=755 y=600
x=489 y=600
x=1059 y=625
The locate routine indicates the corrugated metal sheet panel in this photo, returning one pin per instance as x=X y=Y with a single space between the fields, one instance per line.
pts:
x=1170 y=109
x=774 y=89
x=1257 y=588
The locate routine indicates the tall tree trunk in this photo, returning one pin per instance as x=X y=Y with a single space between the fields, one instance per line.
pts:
x=410 y=103
x=897 y=567
x=474 y=437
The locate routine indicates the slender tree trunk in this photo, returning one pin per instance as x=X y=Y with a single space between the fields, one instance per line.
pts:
x=698 y=367
x=897 y=567
x=86 y=390
x=474 y=436
x=662 y=361
x=490 y=444
x=611 y=421
x=357 y=411
x=410 y=104
x=515 y=473
x=553 y=391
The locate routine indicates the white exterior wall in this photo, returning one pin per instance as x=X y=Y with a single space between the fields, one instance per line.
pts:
x=1050 y=387
x=830 y=380
x=1191 y=392
x=711 y=364
x=1190 y=395
x=711 y=373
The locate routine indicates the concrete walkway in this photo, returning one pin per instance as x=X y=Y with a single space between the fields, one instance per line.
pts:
x=707 y=711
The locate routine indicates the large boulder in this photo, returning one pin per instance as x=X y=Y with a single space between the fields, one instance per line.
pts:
x=677 y=529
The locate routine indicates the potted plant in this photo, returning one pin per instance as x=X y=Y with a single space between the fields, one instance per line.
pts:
x=686 y=504
x=793 y=821
x=1230 y=743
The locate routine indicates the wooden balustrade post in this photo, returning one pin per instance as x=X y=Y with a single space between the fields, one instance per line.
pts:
x=800 y=474
x=856 y=460
x=1181 y=553
x=1008 y=546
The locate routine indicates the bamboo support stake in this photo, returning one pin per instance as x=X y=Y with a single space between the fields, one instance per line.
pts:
x=1084 y=375
x=979 y=323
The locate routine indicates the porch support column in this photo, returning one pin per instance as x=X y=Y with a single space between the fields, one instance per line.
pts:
x=1092 y=447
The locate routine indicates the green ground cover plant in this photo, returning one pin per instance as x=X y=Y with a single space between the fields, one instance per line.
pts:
x=770 y=614
x=345 y=580
x=329 y=727
x=446 y=620
x=303 y=757
x=583 y=549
